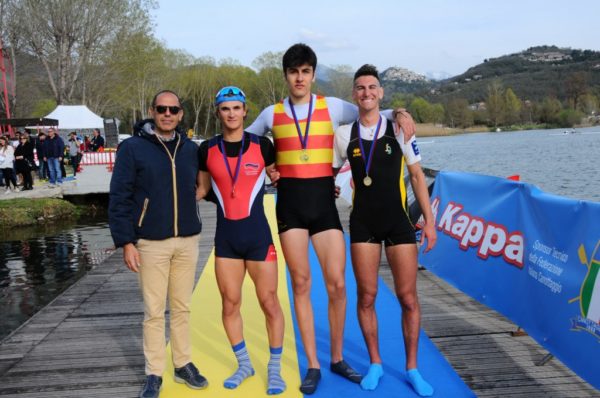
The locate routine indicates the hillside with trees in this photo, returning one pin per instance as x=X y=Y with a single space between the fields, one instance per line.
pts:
x=105 y=55
x=541 y=86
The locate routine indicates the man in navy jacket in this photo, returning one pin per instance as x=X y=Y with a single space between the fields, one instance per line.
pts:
x=54 y=148
x=153 y=216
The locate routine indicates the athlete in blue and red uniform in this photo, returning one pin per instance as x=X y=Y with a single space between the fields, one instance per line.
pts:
x=233 y=165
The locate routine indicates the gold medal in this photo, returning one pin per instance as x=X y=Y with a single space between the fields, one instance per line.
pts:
x=367 y=181
x=304 y=157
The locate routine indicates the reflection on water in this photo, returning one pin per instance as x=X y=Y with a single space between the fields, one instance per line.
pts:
x=37 y=264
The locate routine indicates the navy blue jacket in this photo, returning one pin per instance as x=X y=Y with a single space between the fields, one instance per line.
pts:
x=39 y=147
x=144 y=202
x=54 y=147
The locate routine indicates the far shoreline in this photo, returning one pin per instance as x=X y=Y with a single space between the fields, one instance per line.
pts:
x=438 y=130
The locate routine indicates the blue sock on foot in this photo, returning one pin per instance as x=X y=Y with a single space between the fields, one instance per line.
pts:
x=371 y=380
x=419 y=384
x=244 y=370
x=276 y=385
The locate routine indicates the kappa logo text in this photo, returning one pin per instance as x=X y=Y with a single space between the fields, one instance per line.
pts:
x=488 y=237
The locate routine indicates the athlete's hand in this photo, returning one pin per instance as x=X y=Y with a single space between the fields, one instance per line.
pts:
x=338 y=190
x=429 y=234
x=405 y=123
x=131 y=256
x=273 y=175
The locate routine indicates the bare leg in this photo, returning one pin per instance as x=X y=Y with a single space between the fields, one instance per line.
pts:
x=403 y=262
x=230 y=276
x=329 y=246
x=264 y=276
x=294 y=243
x=365 y=262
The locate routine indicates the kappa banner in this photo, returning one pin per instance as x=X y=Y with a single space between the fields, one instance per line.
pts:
x=530 y=255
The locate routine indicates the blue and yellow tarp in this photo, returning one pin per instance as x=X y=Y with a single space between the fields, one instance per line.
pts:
x=213 y=356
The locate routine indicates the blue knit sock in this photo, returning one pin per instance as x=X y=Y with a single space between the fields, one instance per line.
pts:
x=371 y=379
x=244 y=370
x=276 y=385
x=419 y=384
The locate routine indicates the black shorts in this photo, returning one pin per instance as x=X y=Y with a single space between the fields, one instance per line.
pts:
x=307 y=203
x=391 y=230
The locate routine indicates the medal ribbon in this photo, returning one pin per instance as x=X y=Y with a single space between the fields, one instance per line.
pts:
x=368 y=160
x=303 y=140
x=235 y=176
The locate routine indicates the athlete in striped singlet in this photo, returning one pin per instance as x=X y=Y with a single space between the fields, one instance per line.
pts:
x=303 y=126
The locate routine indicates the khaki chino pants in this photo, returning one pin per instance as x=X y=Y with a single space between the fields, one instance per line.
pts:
x=168 y=269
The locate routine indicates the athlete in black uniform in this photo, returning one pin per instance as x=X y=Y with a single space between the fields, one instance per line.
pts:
x=378 y=215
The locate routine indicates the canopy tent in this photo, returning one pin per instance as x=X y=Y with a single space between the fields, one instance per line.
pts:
x=76 y=117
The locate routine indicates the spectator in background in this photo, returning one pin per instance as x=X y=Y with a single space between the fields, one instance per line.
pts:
x=15 y=140
x=74 y=151
x=63 y=171
x=97 y=142
x=23 y=161
x=53 y=151
x=7 y=158
x=39 y=148
x=86 y=144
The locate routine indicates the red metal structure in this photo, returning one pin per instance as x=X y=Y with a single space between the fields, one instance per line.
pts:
x=5 y=72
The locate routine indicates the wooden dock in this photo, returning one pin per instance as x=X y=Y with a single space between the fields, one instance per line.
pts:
x=87 y=342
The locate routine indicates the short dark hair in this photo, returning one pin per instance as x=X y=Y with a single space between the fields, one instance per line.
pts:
x=367 y=70
x=163 y=92
x=297 y=55
x=41 y=133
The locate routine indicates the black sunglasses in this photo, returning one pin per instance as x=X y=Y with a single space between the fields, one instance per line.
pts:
x=173 y=110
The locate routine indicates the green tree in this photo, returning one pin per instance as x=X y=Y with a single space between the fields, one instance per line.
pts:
x=398 y=100
x=588 y=104
x=437 y=113
x=458 y=113
x=44 y=107
x=512 y=107
x=139 y=65
x=68 y=35
x=549 y=110
x=199 y=82
x=270 y=83
x=569 y=117
x=495 y=103
x=421 y=110
x=576 y=86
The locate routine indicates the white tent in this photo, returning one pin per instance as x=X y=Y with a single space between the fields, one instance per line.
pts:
x=76 y=117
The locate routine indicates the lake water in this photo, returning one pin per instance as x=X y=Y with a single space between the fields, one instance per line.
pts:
x=558 y=163
x=37 y=264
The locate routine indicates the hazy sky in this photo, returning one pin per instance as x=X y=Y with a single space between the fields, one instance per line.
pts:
x=426 y=36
